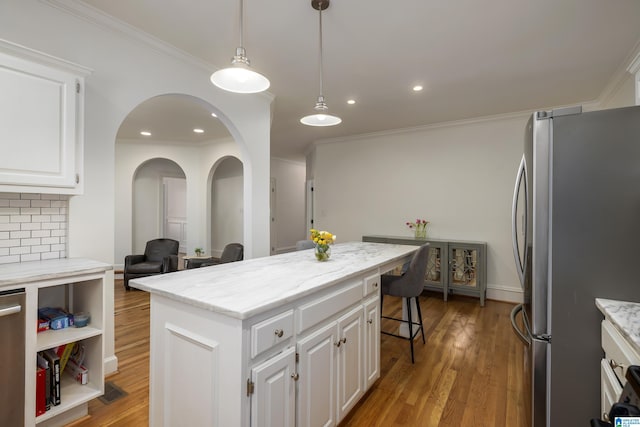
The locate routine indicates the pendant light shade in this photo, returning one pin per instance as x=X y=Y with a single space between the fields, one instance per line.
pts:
x=321 y=117
x=240 y=78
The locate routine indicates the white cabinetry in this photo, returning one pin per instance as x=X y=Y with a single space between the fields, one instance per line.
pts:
x=317 y=385
x=41 y=122
x=280 y=340
x=331 y=370
x=274 y=382
x=371 y=341
x=78 y=286
x=351 y=364
x=619 y=354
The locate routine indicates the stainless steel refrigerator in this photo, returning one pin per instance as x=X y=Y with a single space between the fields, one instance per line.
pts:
x=576 y=237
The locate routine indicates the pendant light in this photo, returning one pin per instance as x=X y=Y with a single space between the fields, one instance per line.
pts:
x=240 y=78
x=321 y=117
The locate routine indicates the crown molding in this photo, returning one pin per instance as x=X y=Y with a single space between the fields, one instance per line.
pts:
x=24 y=52
x=631 y=64
x=105 y=21
x=101 y=19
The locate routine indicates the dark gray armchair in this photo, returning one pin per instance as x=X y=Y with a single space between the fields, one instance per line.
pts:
x=160 y=256
x=408 y=286
x=231 y=253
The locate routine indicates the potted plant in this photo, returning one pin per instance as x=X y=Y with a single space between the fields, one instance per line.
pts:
x=199 y=251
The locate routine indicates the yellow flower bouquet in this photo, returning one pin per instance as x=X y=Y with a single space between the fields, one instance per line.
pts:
x=323 y=241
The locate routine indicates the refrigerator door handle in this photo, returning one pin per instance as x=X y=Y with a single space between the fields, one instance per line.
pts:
x=520 y=261
x=523 y=335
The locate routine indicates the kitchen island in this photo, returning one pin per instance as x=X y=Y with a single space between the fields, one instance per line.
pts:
x=620 y=332
x=282 y=340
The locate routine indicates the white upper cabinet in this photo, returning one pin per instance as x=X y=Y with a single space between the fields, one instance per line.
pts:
x=41 y=122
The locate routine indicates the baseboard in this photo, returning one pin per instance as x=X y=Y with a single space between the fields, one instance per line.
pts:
x=110 y=364
x=504 y=293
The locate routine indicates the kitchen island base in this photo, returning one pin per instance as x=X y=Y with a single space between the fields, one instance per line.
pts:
x=302 y=358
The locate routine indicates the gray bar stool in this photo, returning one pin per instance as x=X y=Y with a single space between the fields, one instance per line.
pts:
x=408 y=286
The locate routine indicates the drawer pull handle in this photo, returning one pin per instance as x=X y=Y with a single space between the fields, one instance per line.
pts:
x=295 y=376
x=344 y=340
x=615 y=365
x=279 y=333
x=375 y=284
x=338 y=344
x=370 y=321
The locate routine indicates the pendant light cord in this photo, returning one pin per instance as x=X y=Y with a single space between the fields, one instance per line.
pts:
x=241 y=26
x=320 y=55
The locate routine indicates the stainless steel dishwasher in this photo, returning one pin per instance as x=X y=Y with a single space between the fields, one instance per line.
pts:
x=12 y=335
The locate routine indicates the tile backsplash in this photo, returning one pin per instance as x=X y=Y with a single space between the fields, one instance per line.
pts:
x=33 y=226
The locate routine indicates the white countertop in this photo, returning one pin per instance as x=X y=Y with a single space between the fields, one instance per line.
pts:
x=25 y=272
x=625 y=316
x=245 y=288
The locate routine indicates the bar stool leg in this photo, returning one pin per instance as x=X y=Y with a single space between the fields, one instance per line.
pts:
x=420 y=317
x=410 y=326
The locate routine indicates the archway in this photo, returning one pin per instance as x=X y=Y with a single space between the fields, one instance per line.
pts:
x=226 y=204
x=171 y=120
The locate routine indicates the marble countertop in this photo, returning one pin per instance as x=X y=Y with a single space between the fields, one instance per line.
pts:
x=246 y=288
x=625 y=316
x=31 y=271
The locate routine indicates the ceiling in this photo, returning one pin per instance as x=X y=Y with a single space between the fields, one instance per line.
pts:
x=473 y=58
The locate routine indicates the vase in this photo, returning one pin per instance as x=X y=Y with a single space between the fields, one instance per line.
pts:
x=322 y=252
x=421 y=233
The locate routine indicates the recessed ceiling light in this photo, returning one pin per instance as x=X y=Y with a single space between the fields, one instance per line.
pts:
x=145 y=133
x=214 y=115
x=417 y=88
x=351 y=101
x=197 y=130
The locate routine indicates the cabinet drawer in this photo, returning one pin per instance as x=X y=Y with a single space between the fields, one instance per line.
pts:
x=610 y=388
x=323 y=308
x=371 y=284
x=617 y=350
x=270 y=332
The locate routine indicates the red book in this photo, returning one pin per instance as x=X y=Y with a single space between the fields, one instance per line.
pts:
x=41 y=397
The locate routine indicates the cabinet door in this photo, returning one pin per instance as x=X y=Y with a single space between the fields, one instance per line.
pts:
x=350 y=361
x=317 y=382
x=371 y=342
x=41 y=119
x=468 y=269
x=273 y=401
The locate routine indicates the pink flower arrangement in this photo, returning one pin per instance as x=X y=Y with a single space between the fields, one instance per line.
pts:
x=419 y=226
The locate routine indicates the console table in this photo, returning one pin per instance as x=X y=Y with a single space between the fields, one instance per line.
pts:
x=454 y=266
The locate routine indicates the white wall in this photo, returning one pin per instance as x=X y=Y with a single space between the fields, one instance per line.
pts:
x=623 y=94
x=128 y=71
x=459 y=176
x=289 y=209
x=147 y=199
x=226 y=205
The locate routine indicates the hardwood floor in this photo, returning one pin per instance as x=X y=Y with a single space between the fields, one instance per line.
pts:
x=469 y=372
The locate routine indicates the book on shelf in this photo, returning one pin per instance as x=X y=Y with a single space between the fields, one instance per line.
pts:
x=44 y=364
x=41 y=397
x=54 y=365
x=64 y=352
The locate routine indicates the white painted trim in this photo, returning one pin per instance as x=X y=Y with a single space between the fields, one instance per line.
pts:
x=110 y=365
x=505 y=294
x=24 y=52
x=587 y=105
